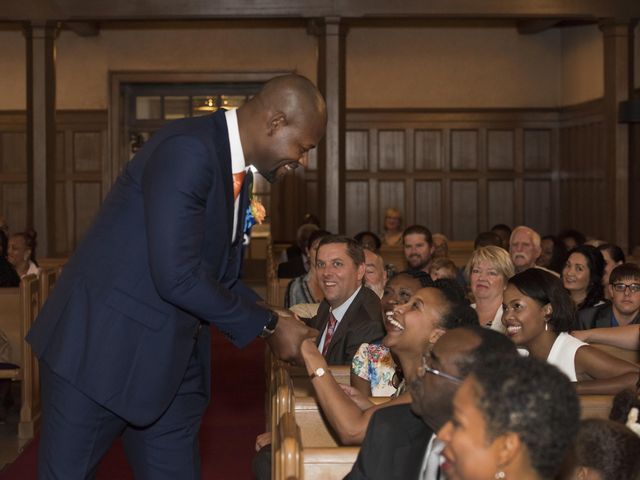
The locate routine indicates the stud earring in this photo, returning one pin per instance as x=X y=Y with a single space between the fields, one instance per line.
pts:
x=500 y=475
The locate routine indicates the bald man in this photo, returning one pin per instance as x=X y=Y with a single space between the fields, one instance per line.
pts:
x=124 y=341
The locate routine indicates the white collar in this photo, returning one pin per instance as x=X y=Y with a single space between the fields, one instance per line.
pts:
x=339 y=312
x=238 y=163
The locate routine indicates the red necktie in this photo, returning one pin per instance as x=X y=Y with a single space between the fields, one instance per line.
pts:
x=331 y=328
x=238 y=178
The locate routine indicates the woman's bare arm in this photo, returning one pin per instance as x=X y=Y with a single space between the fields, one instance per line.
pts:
x=360 y=384
x=627 y=336
x=346 y=418
x=608 y=374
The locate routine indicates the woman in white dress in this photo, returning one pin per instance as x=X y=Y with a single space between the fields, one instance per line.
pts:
x=538 y=314
x=487 y=272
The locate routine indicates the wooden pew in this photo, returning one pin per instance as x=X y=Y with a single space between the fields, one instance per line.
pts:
x=55 y=263
x=292 y=459
x=595 y=406
x=460 y=251
x=18 y=310
x=394 y=256
x=302 y=384
x=48 y=278
x=286 y=450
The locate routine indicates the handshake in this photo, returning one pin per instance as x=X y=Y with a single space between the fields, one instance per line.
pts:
x=288 y=336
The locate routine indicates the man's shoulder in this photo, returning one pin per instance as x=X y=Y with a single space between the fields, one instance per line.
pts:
x=397 y=413
x=394 y=426
x=369 y=302
x=595 y=317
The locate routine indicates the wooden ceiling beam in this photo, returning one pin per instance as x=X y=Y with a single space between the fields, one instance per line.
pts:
x=84 y=29
x=533 y=26
x=105 y=10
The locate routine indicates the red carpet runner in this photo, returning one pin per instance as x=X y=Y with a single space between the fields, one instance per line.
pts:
x=229 y=428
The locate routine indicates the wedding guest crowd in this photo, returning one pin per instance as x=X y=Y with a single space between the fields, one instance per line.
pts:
x=454 y=402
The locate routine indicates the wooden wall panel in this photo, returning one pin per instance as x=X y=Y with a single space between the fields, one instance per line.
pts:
x=585 y=192
x=61 y=226
x=500 y=149
x=391 y=150
x=357 y=150
x=14 y=152
x=537 y=206
x=14 y=205
x=87 y=199
x=464 y=171
x=391 y=194
x=60 y=165
x=428 y=205
x=87 y=151
x=501 y=202
x=357 y=215
x=464 y=150
x=428 y=150
x=464 y=209
x=537 y=149
x=311 y=192
x=13 y=176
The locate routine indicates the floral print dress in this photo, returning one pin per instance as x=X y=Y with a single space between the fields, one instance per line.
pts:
x=373 y=362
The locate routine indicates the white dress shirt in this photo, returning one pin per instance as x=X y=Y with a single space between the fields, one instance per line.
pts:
x=338 y=313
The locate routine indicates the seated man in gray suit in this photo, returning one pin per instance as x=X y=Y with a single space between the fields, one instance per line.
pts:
x=350 y=313
x=401 y=440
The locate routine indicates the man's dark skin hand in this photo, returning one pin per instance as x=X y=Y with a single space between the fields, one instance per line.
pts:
x=289 y=334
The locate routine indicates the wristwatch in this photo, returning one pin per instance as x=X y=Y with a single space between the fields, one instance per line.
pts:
x=270 y=327
x=318 y=372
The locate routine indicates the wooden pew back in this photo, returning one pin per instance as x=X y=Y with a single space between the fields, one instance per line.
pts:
x=10 y=314
x=595 y=406
x=394 y=256
x=293 y=460
x=460 y=251
x=18 y=310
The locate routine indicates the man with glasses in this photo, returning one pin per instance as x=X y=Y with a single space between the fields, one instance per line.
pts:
x=401 y=440
x=624 y=309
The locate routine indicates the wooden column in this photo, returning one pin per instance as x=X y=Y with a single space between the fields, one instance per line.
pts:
x=41 y=132
x=634 y=154
x=331 y=151
x=618 y=84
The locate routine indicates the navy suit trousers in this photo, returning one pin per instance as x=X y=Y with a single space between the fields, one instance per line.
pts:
x=77 y=431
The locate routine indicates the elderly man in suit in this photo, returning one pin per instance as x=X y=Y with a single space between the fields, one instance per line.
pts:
x=350 y=313
x=124 y=339
x=401 y=442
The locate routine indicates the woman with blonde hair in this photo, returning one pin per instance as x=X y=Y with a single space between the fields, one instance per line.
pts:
x=392 y=230
x=488 y=271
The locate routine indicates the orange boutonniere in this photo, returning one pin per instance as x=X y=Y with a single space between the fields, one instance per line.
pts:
x=256 y=213
x=257 y=210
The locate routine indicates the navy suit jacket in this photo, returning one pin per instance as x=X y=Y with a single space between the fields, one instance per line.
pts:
x=158 y=260
x=393 y=447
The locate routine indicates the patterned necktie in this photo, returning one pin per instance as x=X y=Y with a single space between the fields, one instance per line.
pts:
x=331 y=328
x=238 y=178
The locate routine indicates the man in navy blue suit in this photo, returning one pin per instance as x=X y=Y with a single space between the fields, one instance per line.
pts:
x=123 y=341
